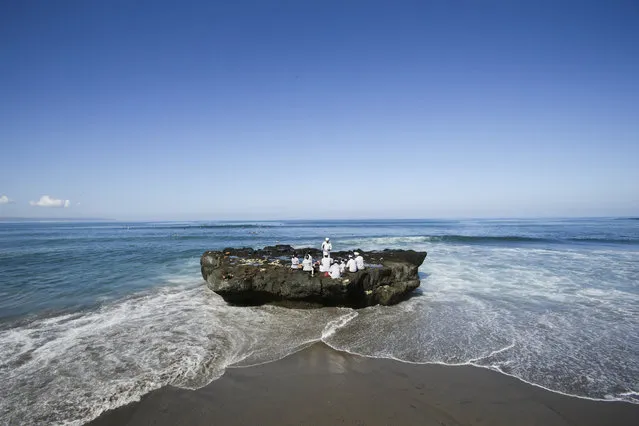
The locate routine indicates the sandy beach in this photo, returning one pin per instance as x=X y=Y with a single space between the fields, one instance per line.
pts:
x=319 y=385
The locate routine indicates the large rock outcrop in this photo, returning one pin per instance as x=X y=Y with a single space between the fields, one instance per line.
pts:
x=253 y=277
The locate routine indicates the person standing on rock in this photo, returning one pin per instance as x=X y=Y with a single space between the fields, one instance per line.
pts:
x=351 y=265
x=295 y=262
x=327 y=247
x=359 y=261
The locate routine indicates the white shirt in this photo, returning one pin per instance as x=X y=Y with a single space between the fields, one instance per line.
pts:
x=326 y=247
x=295 y=263
x=351 y=265
x=342 y=267
x=307 y=264
x=359 y=261
x=334 y=271
x=325 y=264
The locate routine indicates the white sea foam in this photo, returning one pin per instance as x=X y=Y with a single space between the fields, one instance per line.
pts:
x=338 y=323
x=69 y=368
x=560 y=319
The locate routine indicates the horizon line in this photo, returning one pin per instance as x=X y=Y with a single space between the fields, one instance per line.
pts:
x=460 y=218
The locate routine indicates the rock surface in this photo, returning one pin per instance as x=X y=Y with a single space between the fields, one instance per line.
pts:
x=246 y=276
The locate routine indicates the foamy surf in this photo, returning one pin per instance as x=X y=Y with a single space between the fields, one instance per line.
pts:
x=70 y=368
x=516 y=312
x=336 y=324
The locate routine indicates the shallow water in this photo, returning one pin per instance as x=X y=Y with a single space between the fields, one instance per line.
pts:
x=94 y=315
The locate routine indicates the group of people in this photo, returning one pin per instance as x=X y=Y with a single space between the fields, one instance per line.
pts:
x=328 y=265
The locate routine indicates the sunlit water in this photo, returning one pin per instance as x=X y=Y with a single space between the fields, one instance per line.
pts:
x=94 y=315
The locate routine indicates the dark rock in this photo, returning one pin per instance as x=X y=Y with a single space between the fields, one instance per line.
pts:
x=245 y=276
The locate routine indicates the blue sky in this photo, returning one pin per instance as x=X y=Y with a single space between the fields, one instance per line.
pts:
x=300 y=109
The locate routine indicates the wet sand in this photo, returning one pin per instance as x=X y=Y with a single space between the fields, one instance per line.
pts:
x=321 y=386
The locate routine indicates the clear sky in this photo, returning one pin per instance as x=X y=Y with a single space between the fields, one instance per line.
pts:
x=319 y=109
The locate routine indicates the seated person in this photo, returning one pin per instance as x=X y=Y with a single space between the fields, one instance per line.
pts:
x=342 y=266
x=359 y=261
x=334 y=271
x=351 y=265
x=325 y=263
x=307 y=263
x=295 y=262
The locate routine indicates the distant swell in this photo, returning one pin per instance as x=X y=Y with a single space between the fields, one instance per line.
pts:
x=487 y=239
x=606 y=240
x=467 y=239
x=191 y=226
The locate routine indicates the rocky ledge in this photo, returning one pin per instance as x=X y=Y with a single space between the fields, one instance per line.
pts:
x=246 y=276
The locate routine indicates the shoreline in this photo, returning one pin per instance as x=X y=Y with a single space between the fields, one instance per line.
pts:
x=319 y=385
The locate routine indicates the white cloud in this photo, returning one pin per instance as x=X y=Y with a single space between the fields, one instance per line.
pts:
x=46 y=201
x=5 y=200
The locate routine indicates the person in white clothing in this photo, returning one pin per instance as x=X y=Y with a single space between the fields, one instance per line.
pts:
x=327 y=247
x=325 y=264
x=359 y=261
x=295 y=262
x=351 y=265
x=307 y=263
x=342 y=266
x=334 y=271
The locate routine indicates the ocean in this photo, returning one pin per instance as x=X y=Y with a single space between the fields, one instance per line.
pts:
x=93 y=315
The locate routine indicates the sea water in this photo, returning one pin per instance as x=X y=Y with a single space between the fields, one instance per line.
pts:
x=95 y=315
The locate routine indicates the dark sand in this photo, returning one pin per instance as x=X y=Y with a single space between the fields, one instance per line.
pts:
x=320 y=386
